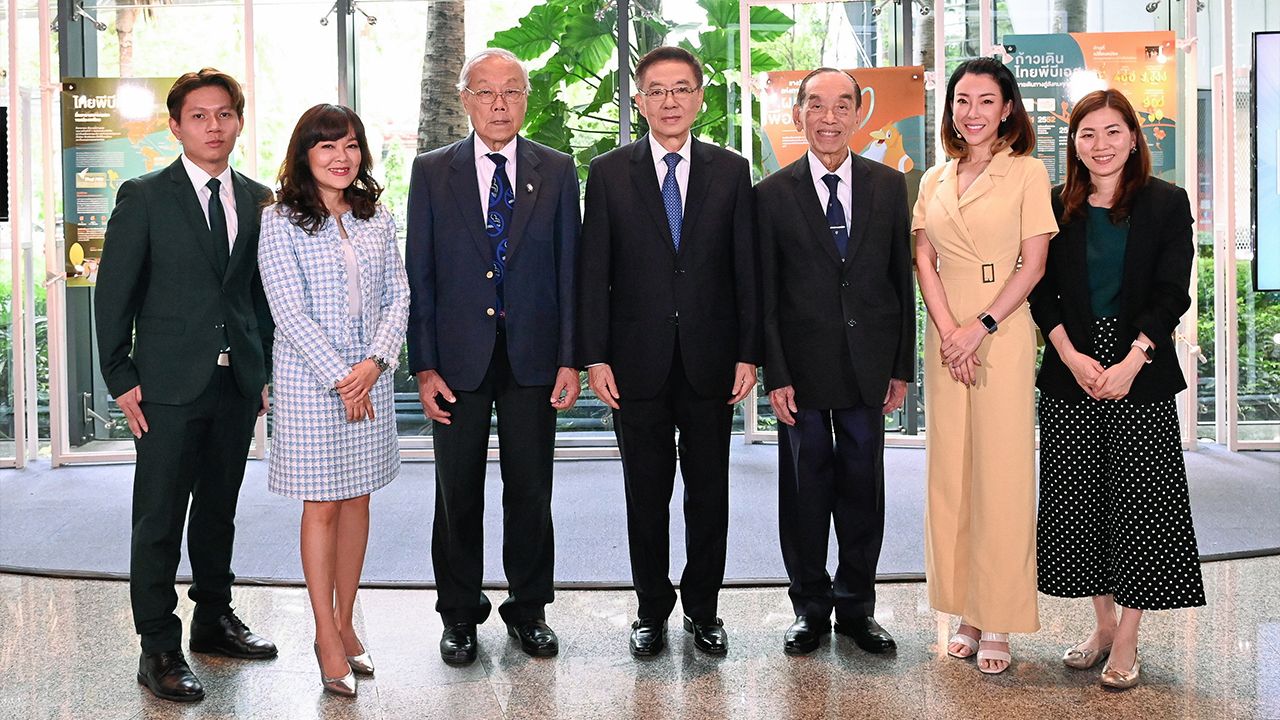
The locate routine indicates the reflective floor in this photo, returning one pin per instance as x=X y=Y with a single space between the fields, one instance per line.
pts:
x=67 y=650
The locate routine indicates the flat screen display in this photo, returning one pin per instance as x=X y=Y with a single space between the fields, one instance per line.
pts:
x=1266 y=160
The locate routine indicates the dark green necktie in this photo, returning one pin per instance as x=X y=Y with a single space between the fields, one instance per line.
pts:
x=218 y=224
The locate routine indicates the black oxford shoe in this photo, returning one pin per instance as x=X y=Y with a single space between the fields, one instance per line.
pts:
x=648 y=637
x=458 y=644
x=168 y=677
x=231 y=637
x=536 y=638
x=708 y=635
x=803 y=636
x=866 y=633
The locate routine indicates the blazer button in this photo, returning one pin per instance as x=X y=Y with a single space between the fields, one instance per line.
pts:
x=489 y=274
x=844 y=283
x=490 y=312
x=219 y=326
x=852 y=322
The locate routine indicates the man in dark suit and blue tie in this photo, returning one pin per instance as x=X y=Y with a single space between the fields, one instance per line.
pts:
x=492 y=233
x=185 y=339
x=839 y=327
x=669 y=333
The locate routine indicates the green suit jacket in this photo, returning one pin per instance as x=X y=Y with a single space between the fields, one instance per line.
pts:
x=164 y=310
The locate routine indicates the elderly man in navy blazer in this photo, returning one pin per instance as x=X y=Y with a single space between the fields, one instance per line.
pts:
x=492 y=231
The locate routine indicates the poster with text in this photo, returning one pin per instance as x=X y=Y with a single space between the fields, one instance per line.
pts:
x=113 y=129
x=1266 y=160
x=1055 y=71
x=892 y=130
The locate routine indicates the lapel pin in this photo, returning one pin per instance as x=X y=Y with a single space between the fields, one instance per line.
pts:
x=528 y=188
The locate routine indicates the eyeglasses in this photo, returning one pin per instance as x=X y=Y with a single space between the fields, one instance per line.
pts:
x=488 y=97
x=841 y=109
x=683 y=92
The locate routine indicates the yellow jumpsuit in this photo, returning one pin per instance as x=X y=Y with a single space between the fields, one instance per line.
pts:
x=980 y=508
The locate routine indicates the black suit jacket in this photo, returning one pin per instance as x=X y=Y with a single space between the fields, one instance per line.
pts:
x=836 y=331
x=636 y=291
x=1154 y=292
x=448 y=256
x=163 y=310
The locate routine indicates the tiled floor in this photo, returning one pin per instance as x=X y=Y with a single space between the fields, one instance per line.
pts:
x=67 y=651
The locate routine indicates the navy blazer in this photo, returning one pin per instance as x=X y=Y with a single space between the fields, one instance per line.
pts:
x=447 y=256
x=1154 y=292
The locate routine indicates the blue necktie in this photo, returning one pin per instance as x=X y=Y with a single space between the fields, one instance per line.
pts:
x=835 y=216
x=497 y=222
x=671 y=198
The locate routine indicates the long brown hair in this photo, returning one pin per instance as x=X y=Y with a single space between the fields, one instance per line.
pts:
x=298 y=193
x=1134 y=175
x=1014 y=132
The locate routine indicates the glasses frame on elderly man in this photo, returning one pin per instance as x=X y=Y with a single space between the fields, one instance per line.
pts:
x=489 y=97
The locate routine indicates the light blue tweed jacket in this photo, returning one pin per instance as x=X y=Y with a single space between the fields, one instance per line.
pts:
x=305 y=278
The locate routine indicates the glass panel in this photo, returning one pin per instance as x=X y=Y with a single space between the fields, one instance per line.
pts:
x=152 y=40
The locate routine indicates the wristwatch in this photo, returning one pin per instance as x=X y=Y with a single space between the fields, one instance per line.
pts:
x=1148 y=351
x=380 y=362
x=989 y=323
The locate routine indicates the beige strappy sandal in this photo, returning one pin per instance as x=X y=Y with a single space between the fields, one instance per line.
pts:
x=986 y=654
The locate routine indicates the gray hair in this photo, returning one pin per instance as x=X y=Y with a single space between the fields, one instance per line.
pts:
x=464 y=77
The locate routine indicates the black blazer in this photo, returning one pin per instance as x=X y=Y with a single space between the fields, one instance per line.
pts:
x=162 y=308
x=635 y=290
x=448 y=256
x=836 y=331
x=1154 y=292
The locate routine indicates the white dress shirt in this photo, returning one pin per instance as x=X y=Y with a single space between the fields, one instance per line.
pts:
x=844 y=190
x=199 y=178
x=682 y=168
x=485 y=168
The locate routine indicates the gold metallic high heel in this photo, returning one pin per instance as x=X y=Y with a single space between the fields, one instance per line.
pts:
x=1084 y=658
x=361 y=664
x=344 y=686
x=1121 y=679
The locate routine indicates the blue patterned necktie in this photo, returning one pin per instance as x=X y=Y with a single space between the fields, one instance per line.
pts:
x=497 y=222
x=671 y=198
x=835 y=216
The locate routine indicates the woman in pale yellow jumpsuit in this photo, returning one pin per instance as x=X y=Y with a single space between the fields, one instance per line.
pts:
x=982 y=222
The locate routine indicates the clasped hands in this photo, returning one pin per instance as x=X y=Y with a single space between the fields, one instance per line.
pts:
x=1101 y=383
x=354 y=390
x=959 y=350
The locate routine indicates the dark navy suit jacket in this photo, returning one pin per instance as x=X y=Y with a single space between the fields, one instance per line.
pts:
x=452 y=328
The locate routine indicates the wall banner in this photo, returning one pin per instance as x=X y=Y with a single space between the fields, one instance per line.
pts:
x=1055 y=71
x=113 y=129
x=892 y=130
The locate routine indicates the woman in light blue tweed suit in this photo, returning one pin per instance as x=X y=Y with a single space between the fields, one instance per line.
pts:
x=338 y=293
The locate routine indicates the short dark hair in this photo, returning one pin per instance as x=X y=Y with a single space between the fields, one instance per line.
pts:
x=669 y=52
x=1014 y=133
x=298 y=196
x=804 y=86
x=205 y=77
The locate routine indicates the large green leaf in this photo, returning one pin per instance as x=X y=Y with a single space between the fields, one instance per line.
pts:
x=535 y=34
x=590 y=40
x=768 y=23
x=606 y=92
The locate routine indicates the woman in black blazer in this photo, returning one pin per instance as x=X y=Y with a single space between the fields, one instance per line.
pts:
x=1114 y=518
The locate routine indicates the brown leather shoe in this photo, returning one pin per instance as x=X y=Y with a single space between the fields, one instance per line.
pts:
x=168 y=677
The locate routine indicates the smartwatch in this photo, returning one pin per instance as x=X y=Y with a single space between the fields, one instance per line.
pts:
x=989 y=323
x=1148 y=351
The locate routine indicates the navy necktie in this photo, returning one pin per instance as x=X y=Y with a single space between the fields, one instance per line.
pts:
x=502 y=200
x=671 y=198
x=835 y=216
x=218 y=224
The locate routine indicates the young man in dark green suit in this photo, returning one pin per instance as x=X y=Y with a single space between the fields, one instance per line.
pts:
x=185 y=339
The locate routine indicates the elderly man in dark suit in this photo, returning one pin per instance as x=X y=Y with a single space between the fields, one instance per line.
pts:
x=185 y=339
x=669 y=331
x=839 y=328
x=492 y=232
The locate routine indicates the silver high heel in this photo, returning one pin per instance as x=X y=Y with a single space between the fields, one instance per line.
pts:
x=344 y=686
x=361 y=664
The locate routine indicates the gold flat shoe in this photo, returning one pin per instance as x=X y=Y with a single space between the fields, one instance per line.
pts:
x=1080 y=658
x=361 y=664
x=1121 y=679
x=344 y=686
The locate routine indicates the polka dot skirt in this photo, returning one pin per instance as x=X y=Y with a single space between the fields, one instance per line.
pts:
x=1115 y=515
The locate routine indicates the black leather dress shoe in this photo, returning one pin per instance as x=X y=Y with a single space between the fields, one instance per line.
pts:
x=536 y=638
x=804 y=634
x=168 y=677
x=231 y=637
x=458 y=644
x=648 y=637
x=708 y=635
x=867 y=633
